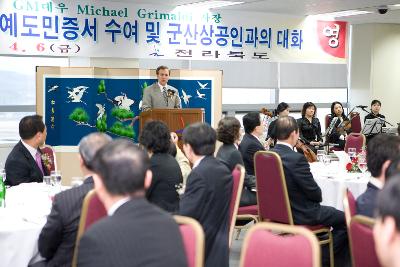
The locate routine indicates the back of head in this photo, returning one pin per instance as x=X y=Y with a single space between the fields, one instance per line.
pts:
x=201 y=137
x=155 y=137
x=389 y=199
x=381 y=148
x=90 y=144
x=122 y=166
x=285 y=126
x=29 y=126
x=228 y=130
x=250 y=121
x=281 y=107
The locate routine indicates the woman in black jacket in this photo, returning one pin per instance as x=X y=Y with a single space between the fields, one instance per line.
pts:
x=310 y=127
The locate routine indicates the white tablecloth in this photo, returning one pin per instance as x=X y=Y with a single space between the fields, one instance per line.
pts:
x=27 y=206
x=332 y=180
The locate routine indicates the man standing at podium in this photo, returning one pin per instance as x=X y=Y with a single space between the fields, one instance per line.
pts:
x=160 y=94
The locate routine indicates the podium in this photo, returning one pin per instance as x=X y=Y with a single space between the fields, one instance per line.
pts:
x=176 y=119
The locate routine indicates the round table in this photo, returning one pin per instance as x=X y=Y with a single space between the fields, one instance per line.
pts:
x=333 y=179
x=27 y=206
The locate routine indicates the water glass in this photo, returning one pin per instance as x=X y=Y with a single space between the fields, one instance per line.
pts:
x=320 y=155
x=326 y=160
x=56 y=178
x=47 y=180
x=352 y=152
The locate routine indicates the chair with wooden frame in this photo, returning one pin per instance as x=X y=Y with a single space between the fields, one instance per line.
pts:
x=193 y=240
x=263 y=247
x=273 y=198
x=362 y=244
x=238 y=178
x=92 y=211
x=349 y=205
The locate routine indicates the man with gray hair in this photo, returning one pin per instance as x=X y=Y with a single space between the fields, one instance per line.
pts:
x=58 y=236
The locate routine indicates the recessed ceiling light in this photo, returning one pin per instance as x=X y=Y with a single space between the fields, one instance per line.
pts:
x=210 y=4
x=345 y=13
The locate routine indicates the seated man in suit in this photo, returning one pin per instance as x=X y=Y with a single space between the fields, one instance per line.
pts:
x=135 y=232
x=387 y=225
x=58 y=236
x=24 y=163
x=208 y=192
x=250 y=143
x=304 y=193
x=160 y=94
x=381 y=150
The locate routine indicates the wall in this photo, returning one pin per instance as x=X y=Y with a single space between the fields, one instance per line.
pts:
x=375 y=67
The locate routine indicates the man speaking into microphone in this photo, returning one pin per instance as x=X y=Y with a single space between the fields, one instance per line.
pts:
x=160 y=94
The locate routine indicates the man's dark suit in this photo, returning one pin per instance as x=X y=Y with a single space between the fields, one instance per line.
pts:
x=137 y=234
x=366 y=202
x=305 y=197
x=58 y=236
x=167 y=176
x=230 y=156
x=248 y=147
x=21 y=167
x=206 y=199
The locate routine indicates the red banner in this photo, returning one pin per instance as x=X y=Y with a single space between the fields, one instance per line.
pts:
x=332 y=37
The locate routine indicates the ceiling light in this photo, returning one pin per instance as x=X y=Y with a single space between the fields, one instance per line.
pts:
x=345 y=13
x=210 y=4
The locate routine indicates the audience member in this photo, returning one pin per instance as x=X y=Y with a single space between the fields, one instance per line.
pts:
x=208 y=192
x=24 y=163
x=304 y=193
x=58 y=236
x=228 y=133
x=250 y=143
x=135 y=233
x=281 y=110
x=380 y=151
x=167 y=175
x=387 y=225
x=180 y=157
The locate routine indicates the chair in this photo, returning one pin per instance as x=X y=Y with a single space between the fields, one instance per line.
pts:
x=273 y=198
x=238 y=178
x=356 y=140
x=349 y=205
x=246 y=213
x=92 y=211
x=327 y=120
x=356 y=123
x=362 y=244
x=298 y=247
x=193 y=240
x=49 y=152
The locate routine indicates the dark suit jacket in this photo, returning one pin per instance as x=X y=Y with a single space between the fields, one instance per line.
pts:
x=230 y=156
x=248 y=147
x=206 y=199
x=137 y=234
x=366 y=202
x=166 y=176
x=58 y=236
x=304 y=193
x=21 y=167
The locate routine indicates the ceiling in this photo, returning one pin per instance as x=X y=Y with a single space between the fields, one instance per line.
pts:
x=303 y=7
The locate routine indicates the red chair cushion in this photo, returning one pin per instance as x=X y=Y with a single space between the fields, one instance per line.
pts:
x=189 y=241
x=253 y=210
x=362 y=245
x=95 y=211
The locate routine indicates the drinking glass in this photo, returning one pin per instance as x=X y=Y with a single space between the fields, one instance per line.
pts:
x=352 y=152
x=320 y=155
x=47 y=180
x=362 y=164
x=56 y=178
x=326 y=160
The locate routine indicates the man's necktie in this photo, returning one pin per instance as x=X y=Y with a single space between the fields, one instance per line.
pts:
x=38 y=160
x=165 y=95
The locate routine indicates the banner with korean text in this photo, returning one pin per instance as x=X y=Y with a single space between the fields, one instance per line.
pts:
x=126 y=30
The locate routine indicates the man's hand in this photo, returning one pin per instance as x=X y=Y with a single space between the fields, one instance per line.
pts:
x=174 y=138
